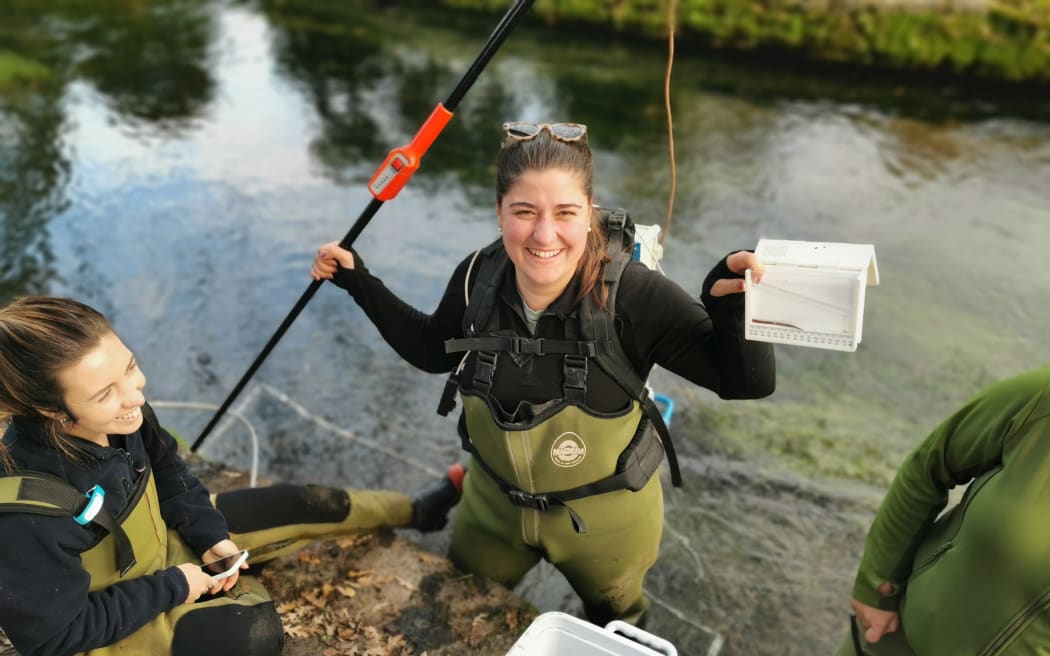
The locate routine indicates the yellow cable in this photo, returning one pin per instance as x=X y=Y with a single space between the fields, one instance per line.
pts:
x=672 y=10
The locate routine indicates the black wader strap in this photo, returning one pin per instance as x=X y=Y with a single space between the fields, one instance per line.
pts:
x=636 y=465
x=72 y=502
x=575 y=371
x=523 y=499
x=484 y=370
x=653 y=412
x=448 y=395
x=125 y=553
x=519 y=498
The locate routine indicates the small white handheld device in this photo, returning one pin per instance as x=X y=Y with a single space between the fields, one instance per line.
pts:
x=224 y=568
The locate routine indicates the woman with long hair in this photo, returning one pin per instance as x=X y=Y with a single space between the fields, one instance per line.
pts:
x=105 y=530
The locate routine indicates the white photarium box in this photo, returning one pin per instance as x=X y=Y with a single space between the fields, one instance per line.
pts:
x=811 y=293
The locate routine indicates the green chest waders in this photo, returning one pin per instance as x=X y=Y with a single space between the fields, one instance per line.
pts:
x=501 y=534
x=137 y=544
x=563 y=464
x=156 y=547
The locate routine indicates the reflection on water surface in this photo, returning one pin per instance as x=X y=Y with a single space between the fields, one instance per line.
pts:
x=176 y=164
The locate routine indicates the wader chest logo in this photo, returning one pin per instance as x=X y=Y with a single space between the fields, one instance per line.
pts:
x=568 y=450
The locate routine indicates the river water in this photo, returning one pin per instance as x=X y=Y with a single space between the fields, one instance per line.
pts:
x=176 y=165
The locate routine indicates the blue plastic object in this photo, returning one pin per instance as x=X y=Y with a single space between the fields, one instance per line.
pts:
x=95 y=496
x=668 y=407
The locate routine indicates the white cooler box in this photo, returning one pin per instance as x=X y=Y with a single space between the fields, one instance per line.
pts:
x=559 y=634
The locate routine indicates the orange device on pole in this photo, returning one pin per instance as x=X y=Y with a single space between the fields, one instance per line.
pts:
x=402 y=162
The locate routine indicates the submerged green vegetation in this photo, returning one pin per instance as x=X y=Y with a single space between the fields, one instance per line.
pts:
x=16 y=69
x=994 y=39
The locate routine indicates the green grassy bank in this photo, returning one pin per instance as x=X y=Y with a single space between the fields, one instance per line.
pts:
x=995 y=39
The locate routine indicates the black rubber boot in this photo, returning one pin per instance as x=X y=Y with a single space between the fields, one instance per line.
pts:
x=430 y=507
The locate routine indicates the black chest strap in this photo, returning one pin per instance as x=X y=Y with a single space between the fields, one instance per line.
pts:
x=522 y=345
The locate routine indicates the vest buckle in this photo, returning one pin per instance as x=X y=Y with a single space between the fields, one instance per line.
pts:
x=523 y=499
x=528 y=346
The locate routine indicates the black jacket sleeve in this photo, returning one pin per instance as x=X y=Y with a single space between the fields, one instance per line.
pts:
x=702 y=341
x=417 y=337
x=45 y=606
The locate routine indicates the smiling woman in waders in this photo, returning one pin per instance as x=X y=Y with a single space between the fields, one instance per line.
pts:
x=550 y=333
x=104 y=529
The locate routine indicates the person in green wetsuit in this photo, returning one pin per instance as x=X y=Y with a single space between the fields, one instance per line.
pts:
x=122 y=573
x=550 y=334
x=975 y=579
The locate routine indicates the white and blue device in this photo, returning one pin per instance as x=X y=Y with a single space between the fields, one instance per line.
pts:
x=96 y=496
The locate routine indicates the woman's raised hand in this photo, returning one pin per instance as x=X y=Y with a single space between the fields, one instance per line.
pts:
x=324 y=266
x=738 y=262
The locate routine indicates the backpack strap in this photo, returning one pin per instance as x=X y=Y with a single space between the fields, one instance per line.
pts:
x=619 y=229
x=482 y=298
x=38 y=493
x=479 y=304
x=597 y=324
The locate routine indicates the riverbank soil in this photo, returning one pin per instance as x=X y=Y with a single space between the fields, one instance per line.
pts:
x=378 y=594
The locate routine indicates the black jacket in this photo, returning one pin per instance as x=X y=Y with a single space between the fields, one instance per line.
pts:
x=45 y=605
x=657 y=322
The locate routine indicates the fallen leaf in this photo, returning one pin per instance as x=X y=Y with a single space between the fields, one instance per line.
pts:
x=314 y=599
x=299 y=631
x=479 y=630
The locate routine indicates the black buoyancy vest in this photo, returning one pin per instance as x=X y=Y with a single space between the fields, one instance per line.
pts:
x=38 y=493
x=598 y=341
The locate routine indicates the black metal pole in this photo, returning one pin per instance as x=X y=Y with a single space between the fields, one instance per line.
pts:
x=506 y=24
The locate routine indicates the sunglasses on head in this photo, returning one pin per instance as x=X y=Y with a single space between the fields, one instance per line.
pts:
x=524 y=131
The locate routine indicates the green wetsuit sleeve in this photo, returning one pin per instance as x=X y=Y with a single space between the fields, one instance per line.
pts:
x=970 y=442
